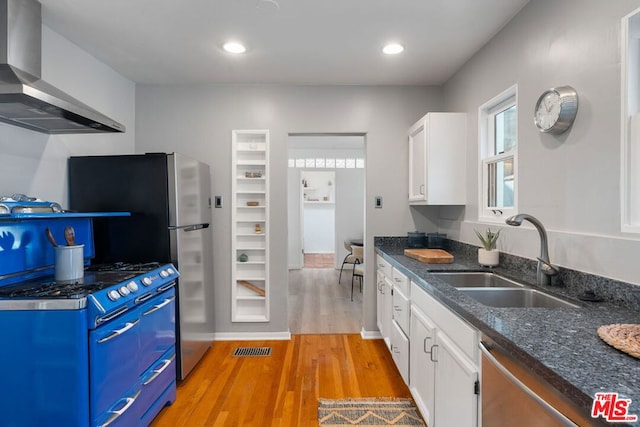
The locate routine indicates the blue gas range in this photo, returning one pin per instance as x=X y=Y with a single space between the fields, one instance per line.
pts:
x=97 y=351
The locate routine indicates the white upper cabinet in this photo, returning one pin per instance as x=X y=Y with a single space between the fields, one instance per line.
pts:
x=437 y=159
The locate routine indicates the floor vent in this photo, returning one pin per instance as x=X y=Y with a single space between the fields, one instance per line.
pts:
x=252 y=351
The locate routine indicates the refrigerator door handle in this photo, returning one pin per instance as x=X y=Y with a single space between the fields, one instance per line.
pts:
x=192 y=227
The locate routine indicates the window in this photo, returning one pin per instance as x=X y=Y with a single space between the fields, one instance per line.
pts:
x=327 y=163
x=498 y=139
x=630 y=141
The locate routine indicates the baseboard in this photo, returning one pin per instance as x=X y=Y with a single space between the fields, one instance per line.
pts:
x=370 y=335
x=251 y=336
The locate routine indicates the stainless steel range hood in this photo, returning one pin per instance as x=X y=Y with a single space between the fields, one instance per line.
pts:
x=25 y=99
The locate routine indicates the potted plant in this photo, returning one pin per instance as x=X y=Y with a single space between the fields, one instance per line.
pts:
x=488 y=255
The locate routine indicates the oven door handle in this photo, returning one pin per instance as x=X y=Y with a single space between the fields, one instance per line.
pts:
x=158 y=306
x=157 y=372
x=167 y=286
x=118 y=332
x=116 y=414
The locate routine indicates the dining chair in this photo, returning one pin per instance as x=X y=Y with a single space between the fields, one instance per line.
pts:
x=348 y=259
x=358 y=266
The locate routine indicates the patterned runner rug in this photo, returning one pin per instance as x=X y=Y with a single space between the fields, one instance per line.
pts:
x=368 y=412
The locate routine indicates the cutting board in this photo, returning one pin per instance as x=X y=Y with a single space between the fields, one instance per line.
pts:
x=430 y=256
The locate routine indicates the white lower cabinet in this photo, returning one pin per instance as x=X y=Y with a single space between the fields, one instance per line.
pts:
x=444 y=363
x=401 y=309
x=384 y=299
x=457 y=388
x=400 y=350
x=380 y=301
x=422 y=372
x=400 y=331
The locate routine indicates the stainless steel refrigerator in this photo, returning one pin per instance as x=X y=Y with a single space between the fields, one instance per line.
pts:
x=169 y=198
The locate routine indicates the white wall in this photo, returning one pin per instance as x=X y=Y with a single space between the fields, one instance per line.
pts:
x=197 y=121
x=319 y=218
x=319 y=228
x=570 y=182
x=35 y=163
x=350 y=208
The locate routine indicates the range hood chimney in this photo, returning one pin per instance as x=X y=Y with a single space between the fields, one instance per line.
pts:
x=25 y=99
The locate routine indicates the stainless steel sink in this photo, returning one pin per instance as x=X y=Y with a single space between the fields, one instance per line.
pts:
x=510 y=297
x=476 y=280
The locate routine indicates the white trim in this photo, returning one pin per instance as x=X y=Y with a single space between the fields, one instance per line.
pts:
x=251 y=336
x=485 y=155
x=370 y=335
x=630 y=108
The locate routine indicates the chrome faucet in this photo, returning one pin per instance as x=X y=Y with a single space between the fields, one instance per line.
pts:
x=545 y=269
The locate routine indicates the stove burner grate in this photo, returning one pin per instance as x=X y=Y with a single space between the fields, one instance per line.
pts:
x=93 y=281
x=54 y=290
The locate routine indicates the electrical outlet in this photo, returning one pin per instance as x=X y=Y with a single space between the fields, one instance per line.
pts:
x=218 y=201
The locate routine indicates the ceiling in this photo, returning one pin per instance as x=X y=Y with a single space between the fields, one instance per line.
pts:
x=324 y=42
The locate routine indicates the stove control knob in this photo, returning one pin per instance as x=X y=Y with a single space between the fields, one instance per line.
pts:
x=113 y=295
x=146 y=281
x=171 y=271
x=133 y=286
x=164 y=274
x=124 y=291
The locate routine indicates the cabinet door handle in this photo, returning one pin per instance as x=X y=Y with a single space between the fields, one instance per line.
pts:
x=424 y=345
x=422 y=189
x=398 y=280
x=397 y=308
x=434 y=353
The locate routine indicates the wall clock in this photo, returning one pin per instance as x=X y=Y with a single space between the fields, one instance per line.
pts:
x=556 y=109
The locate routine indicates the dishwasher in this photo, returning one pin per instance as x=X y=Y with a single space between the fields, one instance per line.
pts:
x=511 y=395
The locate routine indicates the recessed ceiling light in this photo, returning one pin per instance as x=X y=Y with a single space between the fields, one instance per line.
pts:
x=234 y=47
x=393 y=49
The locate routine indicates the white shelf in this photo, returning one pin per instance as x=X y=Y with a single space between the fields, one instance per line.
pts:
x=251 y=163
x=250 y=155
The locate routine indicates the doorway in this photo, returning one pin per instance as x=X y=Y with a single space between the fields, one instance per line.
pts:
x=318 y=217
x=322 y=215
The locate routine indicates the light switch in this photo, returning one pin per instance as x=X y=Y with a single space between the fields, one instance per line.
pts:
x=378 y=202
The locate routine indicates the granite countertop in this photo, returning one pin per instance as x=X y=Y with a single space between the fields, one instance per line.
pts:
x=559 y=344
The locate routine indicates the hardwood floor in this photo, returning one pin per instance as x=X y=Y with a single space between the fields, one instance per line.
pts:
x=319 y=305
x=281 y=389
x=319 y=260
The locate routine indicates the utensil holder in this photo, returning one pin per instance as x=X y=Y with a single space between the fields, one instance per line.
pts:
x=69 y=263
